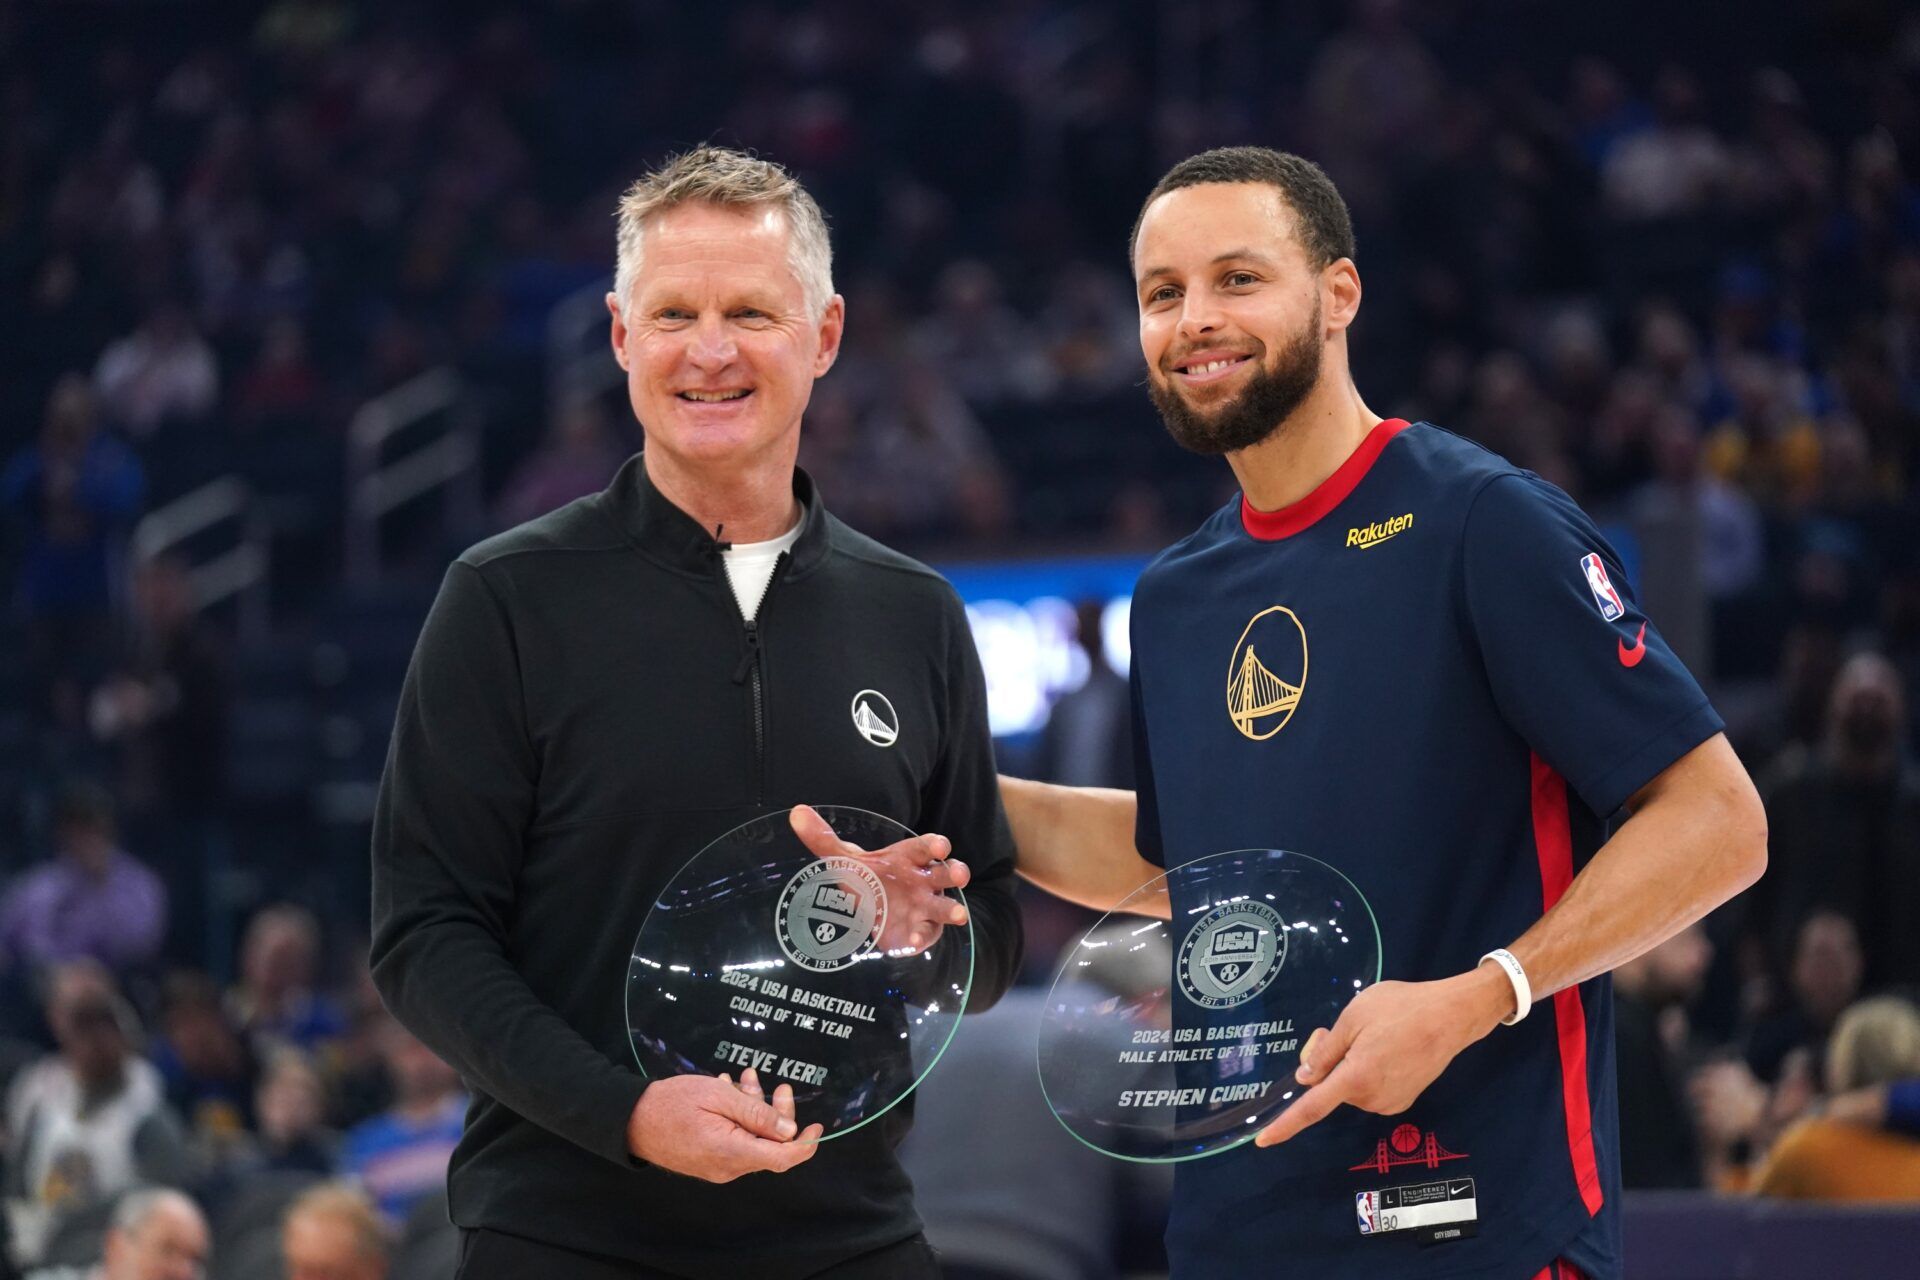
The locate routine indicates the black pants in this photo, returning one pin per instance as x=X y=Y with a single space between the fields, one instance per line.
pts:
x=494 y=1255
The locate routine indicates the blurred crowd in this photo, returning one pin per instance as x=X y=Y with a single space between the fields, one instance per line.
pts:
x=286 y=1124
x=1685 y=287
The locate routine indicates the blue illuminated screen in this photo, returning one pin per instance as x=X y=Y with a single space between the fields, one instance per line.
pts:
x=1022 y=613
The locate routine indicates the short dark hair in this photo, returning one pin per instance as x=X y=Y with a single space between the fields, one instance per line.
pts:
x=1326 y=230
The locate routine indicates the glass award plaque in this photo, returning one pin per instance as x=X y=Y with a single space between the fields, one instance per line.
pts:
x=1177 y=1037
x=810 y=970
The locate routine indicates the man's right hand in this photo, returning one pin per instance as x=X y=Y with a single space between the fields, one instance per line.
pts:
x=708 y=1127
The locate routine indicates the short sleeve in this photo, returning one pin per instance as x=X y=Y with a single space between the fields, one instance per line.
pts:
x=1146 y=822
x=1575 y=666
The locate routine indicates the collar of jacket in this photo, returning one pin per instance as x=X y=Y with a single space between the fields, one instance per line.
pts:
x=669 y=535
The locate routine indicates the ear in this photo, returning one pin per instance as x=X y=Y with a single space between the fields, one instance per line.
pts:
x=1340 y=295
x=833 y=326
x=618 y=332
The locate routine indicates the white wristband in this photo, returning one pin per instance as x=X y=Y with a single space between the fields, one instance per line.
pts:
x=1522 y=989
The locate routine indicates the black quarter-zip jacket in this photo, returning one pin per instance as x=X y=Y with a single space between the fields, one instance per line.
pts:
x=585 y=710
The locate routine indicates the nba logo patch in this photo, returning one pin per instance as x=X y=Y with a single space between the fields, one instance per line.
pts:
x=1611 y=606
x=1366 y=1204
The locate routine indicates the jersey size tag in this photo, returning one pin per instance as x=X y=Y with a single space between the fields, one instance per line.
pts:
x=1439 y=1211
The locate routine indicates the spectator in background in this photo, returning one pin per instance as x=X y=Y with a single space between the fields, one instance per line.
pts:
x=205 y=1064
x=1088 y=737
x=1659 y=1145
x=167 y=709
x=333 y=1233
x=1090 y=332
x=1845 y=827
x=92 y=899
x=281 y=389
x=156 y=1234
x=289 y=1136
x=71 y=497
x=400 y=1157
x=1825 y=979
x=162 y=372
x=167 y=705
x=978 y=344
x=276 y=1002
x=578 y=458
x=1673 y=170
x=92 y=1121
x=1876 y=1043
x=291 y=1108
x=927 y=431
x=354 y=1065
x=1894 y=1107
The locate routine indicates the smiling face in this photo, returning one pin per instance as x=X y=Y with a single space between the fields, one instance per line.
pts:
x=1230 y=313
x=717 y=341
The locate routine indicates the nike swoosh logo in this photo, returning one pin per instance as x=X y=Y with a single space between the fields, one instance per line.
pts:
x=1631 y=657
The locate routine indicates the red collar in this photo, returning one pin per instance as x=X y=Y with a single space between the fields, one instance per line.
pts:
x=1271 y=526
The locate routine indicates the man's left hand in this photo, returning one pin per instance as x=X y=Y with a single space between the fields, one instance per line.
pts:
x=917 y=872
x=1389 y=1044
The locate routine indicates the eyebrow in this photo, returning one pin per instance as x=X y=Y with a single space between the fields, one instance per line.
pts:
x=1231 y=255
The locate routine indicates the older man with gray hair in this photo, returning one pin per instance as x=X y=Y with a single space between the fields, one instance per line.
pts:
x=603 y=691
x=156 y=1234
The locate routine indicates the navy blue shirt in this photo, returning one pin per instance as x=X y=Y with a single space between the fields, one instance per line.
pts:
x=1432 y=674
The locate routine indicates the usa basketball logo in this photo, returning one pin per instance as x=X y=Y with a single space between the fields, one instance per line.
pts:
x=1231 y=954
x=830 y=914
x=1268 y=673
x=1611 y=606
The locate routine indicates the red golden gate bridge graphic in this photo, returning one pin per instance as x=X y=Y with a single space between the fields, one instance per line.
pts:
x=1408 y=1145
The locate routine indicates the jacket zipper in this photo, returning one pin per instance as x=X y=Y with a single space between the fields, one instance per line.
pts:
x=752 y=667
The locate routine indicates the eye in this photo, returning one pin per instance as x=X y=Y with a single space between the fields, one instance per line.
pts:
x=1240 y=279
x=674 y=313
x=750 y=313
x=1165 y=293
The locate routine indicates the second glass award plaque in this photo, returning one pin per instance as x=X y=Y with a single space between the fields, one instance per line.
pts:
x=760 y=954
x=1168 y=1039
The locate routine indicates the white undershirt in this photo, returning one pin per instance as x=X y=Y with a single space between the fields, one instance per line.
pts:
x=750 y=566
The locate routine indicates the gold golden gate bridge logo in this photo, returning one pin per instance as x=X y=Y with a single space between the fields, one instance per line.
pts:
x=1268 y=673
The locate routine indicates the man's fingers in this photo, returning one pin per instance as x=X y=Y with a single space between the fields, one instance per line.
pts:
x=1319 y=1060
x=951 y=874
x=924 y=852
x=756 y=1117
x=1313 y=1106
x=783 y=1101
x=750 y=1085
x=817 y=834
x=1303 y=1072
x=801 y=1149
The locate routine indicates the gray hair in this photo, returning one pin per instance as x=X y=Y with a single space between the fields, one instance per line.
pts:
x=349 y=1210
x=730 y=179
x=1876 y=1041
x=135 y=1207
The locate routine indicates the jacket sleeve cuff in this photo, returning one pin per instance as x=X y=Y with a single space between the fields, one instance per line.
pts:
x=611 y=1113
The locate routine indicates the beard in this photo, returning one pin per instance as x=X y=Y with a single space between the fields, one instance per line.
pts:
x=1256 y=412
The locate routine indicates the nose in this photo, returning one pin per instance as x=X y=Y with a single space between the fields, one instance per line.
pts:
x=711 y=346
x=1199 y=315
